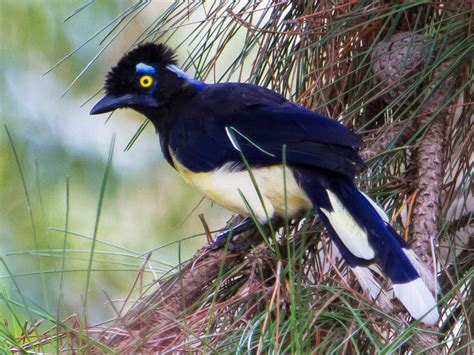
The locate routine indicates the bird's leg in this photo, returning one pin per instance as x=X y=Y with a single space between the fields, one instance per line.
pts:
x=226 y=237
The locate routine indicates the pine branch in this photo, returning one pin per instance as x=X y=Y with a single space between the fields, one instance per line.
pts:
x=157 y=313
x=430 y=163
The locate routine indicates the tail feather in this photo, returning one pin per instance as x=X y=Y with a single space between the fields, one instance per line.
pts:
x=371 y=286
x=418 y=300
x=361 y=231
x=426 y=275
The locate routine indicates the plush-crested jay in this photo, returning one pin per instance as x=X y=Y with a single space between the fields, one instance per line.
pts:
x=205 y=131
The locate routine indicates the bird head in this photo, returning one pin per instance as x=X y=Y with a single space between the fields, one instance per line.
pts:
x=144 y=78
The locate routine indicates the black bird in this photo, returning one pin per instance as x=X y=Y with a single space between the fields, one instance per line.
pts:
x=204 y=131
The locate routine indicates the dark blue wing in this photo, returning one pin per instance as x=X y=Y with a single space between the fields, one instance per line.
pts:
x=289 y=122
x=260 y=122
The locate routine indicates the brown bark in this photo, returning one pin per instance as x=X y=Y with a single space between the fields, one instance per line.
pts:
x=424 y=226
x=430 y=164
x=396 y=65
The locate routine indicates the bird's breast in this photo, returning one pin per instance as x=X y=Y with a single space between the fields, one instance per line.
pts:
x=272 y=191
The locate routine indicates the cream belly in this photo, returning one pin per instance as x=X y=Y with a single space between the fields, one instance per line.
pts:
x=232 y=189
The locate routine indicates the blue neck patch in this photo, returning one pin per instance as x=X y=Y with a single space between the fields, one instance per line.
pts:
x=182 y=75
x=142 y=68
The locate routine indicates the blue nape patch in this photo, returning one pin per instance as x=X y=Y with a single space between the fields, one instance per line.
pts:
x=182 y=75
x=143 y=68
x=179 y=73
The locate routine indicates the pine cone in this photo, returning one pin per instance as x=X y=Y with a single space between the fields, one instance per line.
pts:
x=397 y=63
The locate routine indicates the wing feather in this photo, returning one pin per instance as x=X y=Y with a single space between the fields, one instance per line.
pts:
x=264 y=122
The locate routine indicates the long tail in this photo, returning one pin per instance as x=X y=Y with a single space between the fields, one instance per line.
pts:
x=362 y=233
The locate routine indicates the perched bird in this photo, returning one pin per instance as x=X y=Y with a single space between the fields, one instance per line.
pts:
x=205 y=131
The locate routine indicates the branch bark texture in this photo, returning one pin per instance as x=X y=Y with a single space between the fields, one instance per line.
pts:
x=397 y=66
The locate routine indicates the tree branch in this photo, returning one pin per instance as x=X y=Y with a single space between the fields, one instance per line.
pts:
x=430 y=169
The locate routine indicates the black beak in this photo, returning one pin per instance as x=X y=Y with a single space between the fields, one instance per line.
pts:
x=109 y=102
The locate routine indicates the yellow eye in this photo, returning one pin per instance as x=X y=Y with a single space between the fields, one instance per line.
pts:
x=146 y=81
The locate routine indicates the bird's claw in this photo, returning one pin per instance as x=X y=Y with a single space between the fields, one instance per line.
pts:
x=224 y=239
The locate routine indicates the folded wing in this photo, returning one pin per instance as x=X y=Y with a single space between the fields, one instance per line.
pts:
x=259 y=122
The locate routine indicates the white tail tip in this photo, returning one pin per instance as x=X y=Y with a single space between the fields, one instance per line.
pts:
x=423 y=271
x=418 y=300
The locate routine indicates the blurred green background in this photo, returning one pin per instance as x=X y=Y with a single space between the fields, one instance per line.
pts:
x=57 y=141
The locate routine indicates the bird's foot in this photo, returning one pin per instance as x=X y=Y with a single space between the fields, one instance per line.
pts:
x=225 y=239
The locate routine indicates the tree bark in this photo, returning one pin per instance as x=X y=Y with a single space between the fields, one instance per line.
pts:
x=430 y=164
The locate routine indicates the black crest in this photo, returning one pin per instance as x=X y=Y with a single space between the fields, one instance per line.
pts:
x=121 y=78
